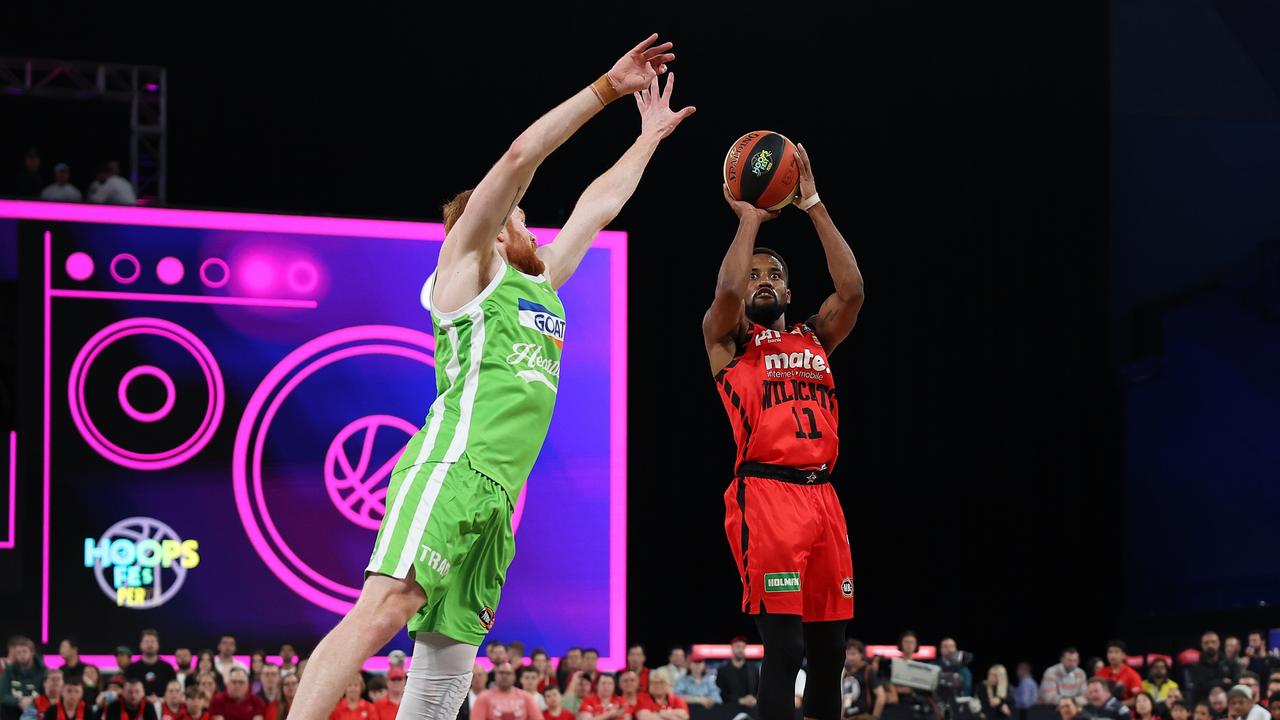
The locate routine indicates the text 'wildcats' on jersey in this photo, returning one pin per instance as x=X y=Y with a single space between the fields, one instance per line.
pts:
x=497 y=375
x=781 y=399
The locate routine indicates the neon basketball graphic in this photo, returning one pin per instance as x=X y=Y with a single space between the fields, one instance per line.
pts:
x=359 y=490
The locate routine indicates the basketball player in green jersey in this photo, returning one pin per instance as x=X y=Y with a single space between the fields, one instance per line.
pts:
x=445 y=543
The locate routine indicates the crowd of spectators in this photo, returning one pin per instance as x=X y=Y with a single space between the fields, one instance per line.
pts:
x=108 y=187
x=1219 y=681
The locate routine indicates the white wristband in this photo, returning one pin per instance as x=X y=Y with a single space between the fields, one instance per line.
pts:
x=808 y=202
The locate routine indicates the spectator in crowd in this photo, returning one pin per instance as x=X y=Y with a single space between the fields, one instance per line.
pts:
x=353 y=706
x=908 y=645
x=579 y=689
x=1068 y=708
x=209 y=685
x=1261 y=663
x=173 y=705
x=505 y=701
x=1026 y=692
x=1120 y=674
x=182 y=662
x=91 y=680
x=697 y=688
x=154 y=673
x=738 y=679
x=1144 y=707
x=124 y=658
x=389 y=704
x=1275 y=706
x=603 y=704
x=590 y=666
x=1233 y=651
x=479 y=681
x=205 y=663
x=71 y=705
x=540 y=661
x=1240 y=705
x=555 y=711
x=677 y=663
x=497 y=654
x=661 y=703
x=257 y=659
x=1173 y=695
x=288 y=691
x=72 y=666
x=1273 y=684
x=1179 y=710
x=61 y=190
x=515 y=654
x=289 y=655
x=376 y=688
x=635 y=663
x=527 y=678
x=31 y=180
x=110 y=188
x=568 y=665
x=1093 y=665
x=949 y=658
x=1065 y=679
x=23 y=677
x=860 y=690
x=1218 y=702
x=112 y=689
x=1202 y=711
x=1101 y=703
x=271 y=691
x=1213 y=669
x=1251 y=681
x=132 y=704
x=236 y=702
x=225 y=661
x=1158 y=682
x=197 y=703
x=51 y=692
x=630 y=692
x=994 y=696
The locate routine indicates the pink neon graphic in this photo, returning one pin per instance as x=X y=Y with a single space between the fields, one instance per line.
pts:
x=357 y=493
x=170 y=394
x=129 y=458
x=115 y=268
x=198 y=299
x=13 y=492
x=303 y=276
x=614 y=241
x=377 y=663
x=218 y=263
x=259 y=274
x=79 y=266
x=170 y=270
x=246 y=469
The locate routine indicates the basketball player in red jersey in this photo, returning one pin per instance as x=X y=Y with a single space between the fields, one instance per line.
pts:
x=782 y=517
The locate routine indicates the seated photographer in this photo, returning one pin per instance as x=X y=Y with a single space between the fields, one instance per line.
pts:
x=861 y=691
x=952 y=660
x=908 y=645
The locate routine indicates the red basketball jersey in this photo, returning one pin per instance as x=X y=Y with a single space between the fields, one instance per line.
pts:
x=781 y=399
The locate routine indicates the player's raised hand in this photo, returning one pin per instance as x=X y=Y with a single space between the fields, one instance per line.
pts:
x=808 y=188
x=634 y=71
x=656 y=115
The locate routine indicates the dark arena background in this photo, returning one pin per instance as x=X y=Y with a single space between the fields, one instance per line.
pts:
x=1059 y=405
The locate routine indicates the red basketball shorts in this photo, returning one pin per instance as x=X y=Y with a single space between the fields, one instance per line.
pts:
x=792 y=548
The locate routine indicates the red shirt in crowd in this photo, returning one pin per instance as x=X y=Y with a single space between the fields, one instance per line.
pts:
x=42 y=703
x=179 y=714
x=364 y=710
x=386 y=709
x=514 y=704
x=1127 y=678
x=273 y=708
x=670 y=702
x=593 y=705
x=247 y=708
x=561 y=714
x=644 y=678
x=631 y=708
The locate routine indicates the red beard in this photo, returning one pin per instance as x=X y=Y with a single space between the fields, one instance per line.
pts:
x=524 y=258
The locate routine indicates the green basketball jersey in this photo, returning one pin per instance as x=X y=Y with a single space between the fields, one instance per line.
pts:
x=497 y=374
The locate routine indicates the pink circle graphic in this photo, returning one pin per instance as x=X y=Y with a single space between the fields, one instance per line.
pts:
x=170 y=270
x=158 y=328
x=170 y=394
x=79 y=266
x=215 y=262
x=115 y=269
x=258 y=275
x=303 y=276
x=357 y=493
x=247 y=464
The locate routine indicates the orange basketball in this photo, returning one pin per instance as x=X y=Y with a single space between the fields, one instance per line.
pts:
x=761 y=168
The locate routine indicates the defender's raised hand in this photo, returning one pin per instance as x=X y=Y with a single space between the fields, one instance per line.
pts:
x=656 y=115
x=634 y=71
